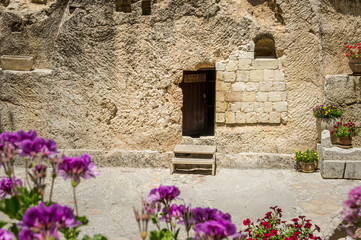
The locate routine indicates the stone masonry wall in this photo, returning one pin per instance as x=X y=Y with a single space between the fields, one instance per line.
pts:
x=249 y=90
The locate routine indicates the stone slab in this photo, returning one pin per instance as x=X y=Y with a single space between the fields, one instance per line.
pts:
x=17 y=63
x=337 y=153
x=353 y=170
x=196 y=149
x=333 y=169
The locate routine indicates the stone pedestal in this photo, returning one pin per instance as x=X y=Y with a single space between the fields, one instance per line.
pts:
x=338 y=162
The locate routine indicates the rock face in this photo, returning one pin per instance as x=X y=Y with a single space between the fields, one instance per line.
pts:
x=112 y=78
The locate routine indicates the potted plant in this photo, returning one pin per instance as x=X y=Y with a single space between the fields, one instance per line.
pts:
x=307 y=160
x=326 y=118
x=345 y=132
x=353 y=53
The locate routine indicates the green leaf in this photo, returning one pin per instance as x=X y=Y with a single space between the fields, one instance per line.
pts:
x=163 y=234
x=14 y=229
x=95 y=237
x=83 y=219
x=3 y=224
x=154 y=219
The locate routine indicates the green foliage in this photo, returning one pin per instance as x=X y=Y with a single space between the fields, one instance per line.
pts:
x=347 y=130
x=308 y=156
x=73 y=233
x=16 y=206
x=95 y=237
x=3 y=224
x=163 y=234
x=327 y=111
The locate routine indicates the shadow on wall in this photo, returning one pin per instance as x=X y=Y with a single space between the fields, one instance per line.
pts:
x=272 y=4
x=349 y=7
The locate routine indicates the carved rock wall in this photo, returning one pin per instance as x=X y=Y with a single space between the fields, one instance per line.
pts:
x=114 y=79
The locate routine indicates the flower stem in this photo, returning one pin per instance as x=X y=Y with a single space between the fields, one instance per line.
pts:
x=76 y=205
x=51 y=189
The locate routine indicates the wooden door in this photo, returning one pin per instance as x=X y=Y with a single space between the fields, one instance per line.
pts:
x=194 y=105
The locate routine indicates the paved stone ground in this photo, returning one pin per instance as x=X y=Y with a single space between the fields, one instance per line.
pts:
x=108 y=199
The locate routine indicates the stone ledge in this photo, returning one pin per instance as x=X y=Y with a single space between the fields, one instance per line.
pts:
x=36 y=71
x=255 y=160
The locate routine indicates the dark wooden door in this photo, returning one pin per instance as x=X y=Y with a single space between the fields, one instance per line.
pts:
x=194 y=108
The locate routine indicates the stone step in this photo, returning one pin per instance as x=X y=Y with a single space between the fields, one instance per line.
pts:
x=200 y=161
x=193 y=161
x=195 y=149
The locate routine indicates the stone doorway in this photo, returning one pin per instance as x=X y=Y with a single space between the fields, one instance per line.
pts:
x=198 y=89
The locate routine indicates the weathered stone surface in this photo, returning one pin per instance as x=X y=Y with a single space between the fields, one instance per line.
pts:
x=104 y=60
x=239 y=86
x=221 y=106
x=261 y=97
x=341 y=89
x=251 y=117
x=336 y=153
x=326 y=139
x=275 y=117
x=244 y=63
x=333 y=169
x=229 y=76
x=353 y=170
x=230 y=118
x=16 y=63
x=240 y=117
x=248 y=97
x=220 y=118
x=280 y=106
x=265 y=63
x=223 y=86
x=256 y=75
x=233 y=96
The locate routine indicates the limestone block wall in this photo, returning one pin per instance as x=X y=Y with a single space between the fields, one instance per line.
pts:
x=249 y=90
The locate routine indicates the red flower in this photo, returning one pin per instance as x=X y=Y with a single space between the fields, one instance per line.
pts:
x=273 y=232
x=295 y=220
x=247 y=222
x=317 y=228
x=299 y=226
x=347 y=55
x=308 y=225
x=359 y=44
x=268 y=215
x=296 y=234
x=266 y=224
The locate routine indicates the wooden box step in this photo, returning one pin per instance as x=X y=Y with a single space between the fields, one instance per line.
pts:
x=193 y=161
x=195 y=149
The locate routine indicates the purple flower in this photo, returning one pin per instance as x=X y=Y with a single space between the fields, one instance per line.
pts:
x=215 y=229
x=43 y=222
x=6 y=235
x=29 y=148
x=31 y=135
x=351 y=209
x=206 y=214
x=176 y=211
x=75 y=167
x=6 y=186
x=164 y=194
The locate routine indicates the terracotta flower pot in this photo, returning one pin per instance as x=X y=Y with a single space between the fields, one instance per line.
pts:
x=308 y=167
x=355 y=65
x=345 y=141
x=326 y=124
